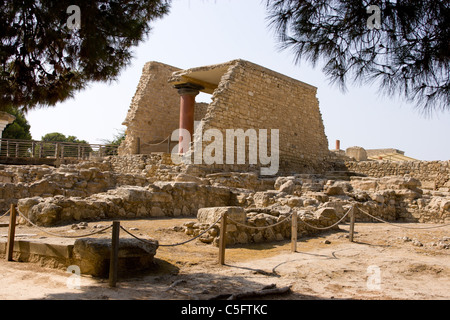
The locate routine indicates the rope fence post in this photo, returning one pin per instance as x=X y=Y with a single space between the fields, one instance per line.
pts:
x=352 y=223
x=114 y=261
x=11 y=233
x=222 y=239
x=294 y=229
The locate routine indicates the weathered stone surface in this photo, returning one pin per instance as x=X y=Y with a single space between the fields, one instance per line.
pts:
x=326 y=213
x=93 y=255
x=434 y=175
x=211 y=215
x=74 y=193
x=358 y=153
x=266 y=198
x=158 y=200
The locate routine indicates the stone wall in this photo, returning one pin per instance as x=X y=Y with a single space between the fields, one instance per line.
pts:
x=247 y=96
x=151 y=186
x=433 y=175
x=154 y=111
x=252 y=97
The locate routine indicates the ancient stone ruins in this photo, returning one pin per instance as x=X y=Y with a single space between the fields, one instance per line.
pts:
x=144 y=181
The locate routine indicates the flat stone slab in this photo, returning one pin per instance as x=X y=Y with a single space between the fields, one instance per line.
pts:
x=94 y=255
x=49 y=247
x=90 y=254
x=211 y=215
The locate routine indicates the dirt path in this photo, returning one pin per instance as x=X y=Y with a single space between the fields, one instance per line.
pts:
x=384 y=262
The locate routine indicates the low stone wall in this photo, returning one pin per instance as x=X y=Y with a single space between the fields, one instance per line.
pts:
x=151 y=186
x=254 y=225
x=162 y=199
x=434 y=175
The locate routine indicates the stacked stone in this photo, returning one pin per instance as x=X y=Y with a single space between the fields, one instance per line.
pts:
x=257 y=225
x=252 y=97
x=433 y=175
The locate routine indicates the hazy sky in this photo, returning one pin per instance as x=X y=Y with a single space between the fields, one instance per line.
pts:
x=204 y=32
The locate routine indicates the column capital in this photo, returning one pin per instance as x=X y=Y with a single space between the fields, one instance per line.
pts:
x=6 y=117
x=188 y=89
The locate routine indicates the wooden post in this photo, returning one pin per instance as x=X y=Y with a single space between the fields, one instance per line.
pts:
x=168 y=145
x=11 y=233
x=352 y=223
x=294 y=232
x=222 y=239
x=114 y=261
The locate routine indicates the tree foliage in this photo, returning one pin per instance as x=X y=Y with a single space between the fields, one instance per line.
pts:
x=20 y=128
x=409 y=55
x=43 y=61
x=59 y=137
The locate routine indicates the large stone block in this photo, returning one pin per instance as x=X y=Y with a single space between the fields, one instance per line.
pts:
x=93 y=255
x=211 y=215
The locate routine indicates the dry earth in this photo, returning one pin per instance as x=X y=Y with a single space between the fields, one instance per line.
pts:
x=382 y=263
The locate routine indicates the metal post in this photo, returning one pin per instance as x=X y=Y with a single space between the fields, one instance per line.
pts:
x=11 y=233
x=352 y=223
x=56 y=150
x=222 y=239
x=294 y=231
x=114 y=261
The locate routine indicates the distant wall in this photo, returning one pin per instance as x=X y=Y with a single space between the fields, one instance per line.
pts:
x=434 y=175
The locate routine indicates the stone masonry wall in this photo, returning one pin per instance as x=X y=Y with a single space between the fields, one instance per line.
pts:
x=252 y=97
x=433 y=175
x=154 y=112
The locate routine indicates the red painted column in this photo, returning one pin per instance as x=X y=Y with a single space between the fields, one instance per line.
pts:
x=187 y=93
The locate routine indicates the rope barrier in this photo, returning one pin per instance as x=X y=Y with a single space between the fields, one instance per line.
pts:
x=5 y=213
x=399 y=226
x=261 y=228
x=59 y=235
x=175 y=244
x=157 y=144
x=329 y=227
